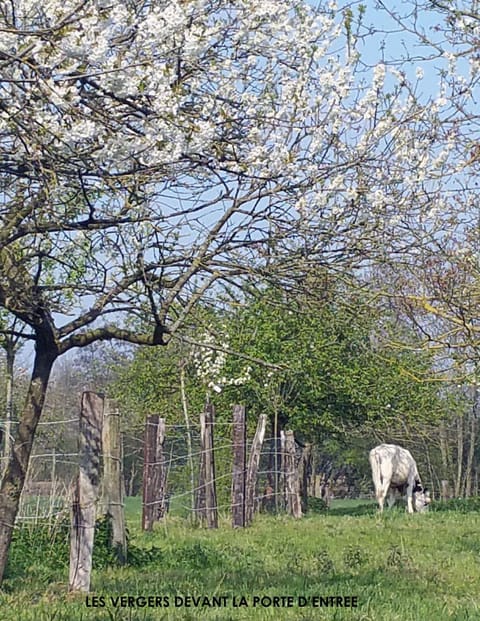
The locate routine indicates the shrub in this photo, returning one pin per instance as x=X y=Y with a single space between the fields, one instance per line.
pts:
x=461 y=505
x=316 y=505
x=47 y=545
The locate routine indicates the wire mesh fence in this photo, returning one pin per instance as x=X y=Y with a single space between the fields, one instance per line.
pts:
x=54 y=465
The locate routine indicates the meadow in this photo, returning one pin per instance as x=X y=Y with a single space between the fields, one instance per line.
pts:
x=394 y=567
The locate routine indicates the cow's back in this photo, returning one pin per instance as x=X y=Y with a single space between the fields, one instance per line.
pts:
x=395 y=463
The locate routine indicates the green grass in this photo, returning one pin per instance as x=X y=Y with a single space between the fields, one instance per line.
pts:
x=401 y=567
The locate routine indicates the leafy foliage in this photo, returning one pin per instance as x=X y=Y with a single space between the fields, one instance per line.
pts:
x=39 y=546
x=326 y=368
x=43 y=549
x=316 y=505
x=461 y=505
x=332 y=370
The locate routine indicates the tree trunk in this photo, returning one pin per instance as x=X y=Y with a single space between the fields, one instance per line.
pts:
x=15 y=473
x=10 y=361
x=430 y=469
x=445 y=452
x=458 y=480
x=131 y=480
x=470 y=456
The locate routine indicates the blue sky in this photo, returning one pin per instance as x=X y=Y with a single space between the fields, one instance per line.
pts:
x=382 y=38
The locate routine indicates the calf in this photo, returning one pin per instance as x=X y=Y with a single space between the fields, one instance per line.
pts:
x=394 y=469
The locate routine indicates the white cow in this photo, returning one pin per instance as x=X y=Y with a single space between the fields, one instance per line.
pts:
x=394 y=469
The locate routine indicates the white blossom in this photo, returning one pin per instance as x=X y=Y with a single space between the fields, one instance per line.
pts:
x=378 y=75
x=209 y=360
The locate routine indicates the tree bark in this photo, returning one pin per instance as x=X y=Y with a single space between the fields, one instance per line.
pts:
x=445 y=452
x=10 y=360
x=15 y=473
x=472 y=439
x=458 y=480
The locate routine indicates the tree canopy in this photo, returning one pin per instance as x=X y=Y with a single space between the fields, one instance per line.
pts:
x=320 y=367
x=156 y=154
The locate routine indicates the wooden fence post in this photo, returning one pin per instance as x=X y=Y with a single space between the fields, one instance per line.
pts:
x=85 y=493
x=210 y=485
x=154 y=474
x=292 y=494
x=252 y=468
x=200 y=495
x=239 y=467
x=282 y=497
x=161 y=495
x=113 y=486
x=305 y=475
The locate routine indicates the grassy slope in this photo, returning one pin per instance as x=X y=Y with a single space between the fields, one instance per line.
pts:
x=410 y=568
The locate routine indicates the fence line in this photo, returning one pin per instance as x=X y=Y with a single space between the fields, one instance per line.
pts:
x=51 y=471
x=43 y=422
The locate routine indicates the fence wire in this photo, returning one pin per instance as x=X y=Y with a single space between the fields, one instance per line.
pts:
x=48 y=489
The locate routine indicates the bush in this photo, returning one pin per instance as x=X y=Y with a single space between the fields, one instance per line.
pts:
x=316 y=505
x=461 y=505
x=45 y=543
x=47 y=546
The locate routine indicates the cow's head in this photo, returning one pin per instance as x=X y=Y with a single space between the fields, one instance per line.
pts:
x=421 y=498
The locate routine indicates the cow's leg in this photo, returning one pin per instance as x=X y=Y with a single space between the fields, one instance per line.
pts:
x=381 y=499
x=410 y=498
x=391 y=498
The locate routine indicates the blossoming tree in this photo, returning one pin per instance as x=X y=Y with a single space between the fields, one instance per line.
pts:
x=436 y=279
x=151 y=151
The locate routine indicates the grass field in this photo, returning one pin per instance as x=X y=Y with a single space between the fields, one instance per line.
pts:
x=399 y=567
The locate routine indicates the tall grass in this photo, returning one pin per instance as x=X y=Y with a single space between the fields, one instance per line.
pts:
x=400 y=567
